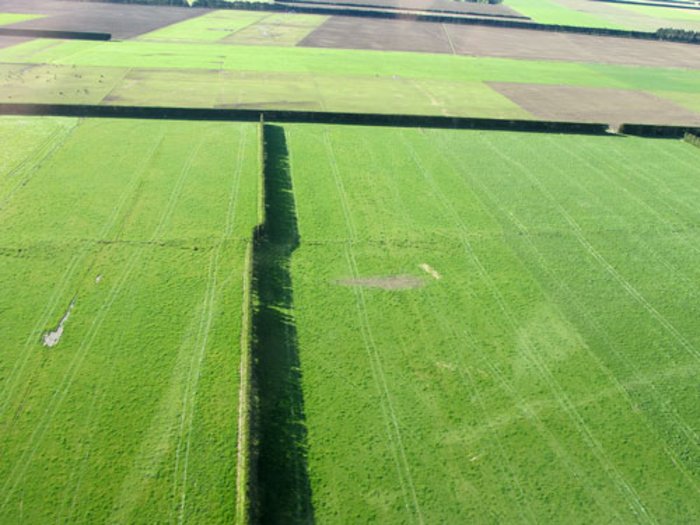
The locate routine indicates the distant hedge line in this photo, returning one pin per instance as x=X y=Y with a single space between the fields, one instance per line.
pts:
x=652 y=130
x=50 y=33
x=679 y=35
x=403 y=9
x=325 y=117
x=310 y=117
x=171 y=3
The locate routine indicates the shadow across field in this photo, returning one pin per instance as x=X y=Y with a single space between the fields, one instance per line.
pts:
x=284 y=491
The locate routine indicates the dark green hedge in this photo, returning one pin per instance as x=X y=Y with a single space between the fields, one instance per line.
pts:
x=49 y=33
x=312 y=117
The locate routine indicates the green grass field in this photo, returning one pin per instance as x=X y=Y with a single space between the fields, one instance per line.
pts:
x=210 y=27
x=220 y=75
x=239 y=27
x=137 y=231
x=441 y=326
x=666 y=13
x=535 y=352
x=551 y=12
x=606 y=14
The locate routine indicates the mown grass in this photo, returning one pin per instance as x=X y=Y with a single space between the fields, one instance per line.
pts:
x=548 y=375
x=240 y=27
x=551 y=12
x=210 y=27
x=665 y=13
x=214 y=75
x=132 y=416
x=337 y=62
x=282 y=29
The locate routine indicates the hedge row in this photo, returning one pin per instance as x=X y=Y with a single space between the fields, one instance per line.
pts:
x=693 y=138
x=290 y=116
x=50 y=33
x=652 y=130
x=248 y=438
x=170 y=3
x=404 y=9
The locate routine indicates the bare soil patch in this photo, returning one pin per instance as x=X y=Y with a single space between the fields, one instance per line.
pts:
x=391 y=282
x=467 y=8
x=377 y=34
x=53 y=337
x=430 y=37
x=121 y=20
x=537 y=45
x=613 y=106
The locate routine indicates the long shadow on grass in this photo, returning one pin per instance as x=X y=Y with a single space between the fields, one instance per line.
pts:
x=284 y=491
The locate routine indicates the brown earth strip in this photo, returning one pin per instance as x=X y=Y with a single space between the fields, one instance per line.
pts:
x=369 y=8
x=469 y=8
x=400 y=35
x=122 y=21
x=538 y=45
x=395 y=35
x=581 y=104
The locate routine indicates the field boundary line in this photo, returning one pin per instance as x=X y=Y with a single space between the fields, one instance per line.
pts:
x=312 y=117
x=246 y=439
x=54 y=34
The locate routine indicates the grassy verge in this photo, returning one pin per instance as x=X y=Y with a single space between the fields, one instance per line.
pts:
x=247 y=507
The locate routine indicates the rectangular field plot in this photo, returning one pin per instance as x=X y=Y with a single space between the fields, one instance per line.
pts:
x=123 y=249
x=496 y=327
x=210 y=27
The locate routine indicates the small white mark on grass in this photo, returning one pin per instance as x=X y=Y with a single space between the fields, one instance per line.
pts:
x=446 y=366
x=429 y=270
x=474 y=458
x=52 y=338
x=98 y=279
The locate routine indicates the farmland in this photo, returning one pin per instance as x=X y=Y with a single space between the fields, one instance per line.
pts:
x=606 y=14
x=494 y=334
x=216 y=321
x=218 y=75
x=135 y=257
